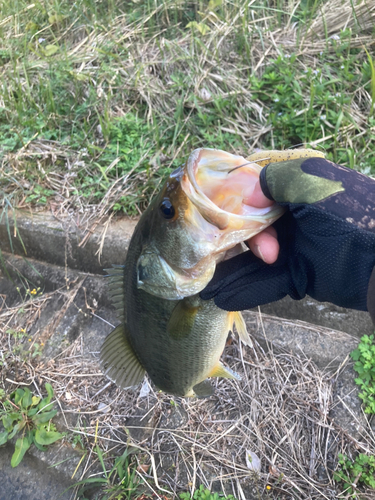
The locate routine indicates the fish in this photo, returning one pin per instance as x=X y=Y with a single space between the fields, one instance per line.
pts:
x=196 y=220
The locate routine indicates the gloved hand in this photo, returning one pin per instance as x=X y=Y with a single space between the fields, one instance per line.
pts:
x=326 y=237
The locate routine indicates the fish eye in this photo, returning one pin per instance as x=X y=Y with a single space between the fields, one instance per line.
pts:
x=167 y=209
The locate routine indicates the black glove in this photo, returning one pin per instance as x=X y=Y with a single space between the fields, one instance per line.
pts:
x=326 y=237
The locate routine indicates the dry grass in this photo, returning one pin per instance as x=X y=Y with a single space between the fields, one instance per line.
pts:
x=279 y=411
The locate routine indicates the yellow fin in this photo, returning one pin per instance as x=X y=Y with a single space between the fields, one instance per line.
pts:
x=265 y=157
x=118 y=360
x=181 y=322
x=237 y=318
x=221 y=371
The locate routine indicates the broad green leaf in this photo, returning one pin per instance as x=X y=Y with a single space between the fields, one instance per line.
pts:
x=26 y=399
x=47 y=437
x=7 y=421
x=45 y=404
x=50 y=50
x=49 y=390
x=203 y=28
x=42 y=418
x=16 y=428
x=17 y=395
x=35 y=400
x=355 y=354
x=39 y=446
x=22 y=445
x=3 y=437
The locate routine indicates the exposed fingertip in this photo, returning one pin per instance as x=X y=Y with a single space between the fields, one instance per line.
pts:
x=253 y=196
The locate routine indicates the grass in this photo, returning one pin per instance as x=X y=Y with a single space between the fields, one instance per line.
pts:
x=98 y=101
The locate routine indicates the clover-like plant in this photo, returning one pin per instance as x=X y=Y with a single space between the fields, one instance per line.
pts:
x=29 y=417
x=360 y=471
x=364 y=356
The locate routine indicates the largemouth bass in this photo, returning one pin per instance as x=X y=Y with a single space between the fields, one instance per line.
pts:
x=195 y=221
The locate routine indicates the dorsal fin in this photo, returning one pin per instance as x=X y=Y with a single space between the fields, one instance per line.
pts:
x=116 y=288
x=118 y=360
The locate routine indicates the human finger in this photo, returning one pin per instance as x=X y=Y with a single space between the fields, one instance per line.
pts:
x=254 y=197
x=265 y=245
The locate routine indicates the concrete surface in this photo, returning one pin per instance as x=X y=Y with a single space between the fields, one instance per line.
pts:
x=31 y=480
x=59 y=241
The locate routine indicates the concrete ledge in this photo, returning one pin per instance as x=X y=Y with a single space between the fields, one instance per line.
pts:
x=58 y=242
x=354 y=322
x=327 y=347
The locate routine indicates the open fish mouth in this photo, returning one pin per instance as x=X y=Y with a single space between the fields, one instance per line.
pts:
x=207 y=218
x=216 y=181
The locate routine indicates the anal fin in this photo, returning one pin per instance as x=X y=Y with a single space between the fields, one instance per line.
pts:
x=221 y=371
x=118 y=360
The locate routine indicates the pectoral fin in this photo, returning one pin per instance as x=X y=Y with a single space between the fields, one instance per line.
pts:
x=182 y=319
x=203 y=389
x=119 y=361
x=221 y=371
x=236 y=318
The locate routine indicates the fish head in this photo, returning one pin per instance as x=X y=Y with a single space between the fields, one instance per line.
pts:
x=196 y=218
x=173 y=260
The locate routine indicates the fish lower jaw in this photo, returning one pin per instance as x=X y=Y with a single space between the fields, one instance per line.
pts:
x=179 y=285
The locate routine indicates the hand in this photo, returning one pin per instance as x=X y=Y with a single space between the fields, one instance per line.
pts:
x=326 y=241
x=264 y=245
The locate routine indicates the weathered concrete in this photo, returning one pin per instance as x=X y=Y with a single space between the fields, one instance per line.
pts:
x=326 y=347
x=357 y=323
x=49 y=239
x=30 y=480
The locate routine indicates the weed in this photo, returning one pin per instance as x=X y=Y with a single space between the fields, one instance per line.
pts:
x=357 y=472
x=121 y=482
x=204 y=494
x=30 y=417
x=364 y=356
